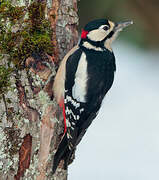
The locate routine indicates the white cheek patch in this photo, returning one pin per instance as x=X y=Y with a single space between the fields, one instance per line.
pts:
x=79 y=89
x=97 y=34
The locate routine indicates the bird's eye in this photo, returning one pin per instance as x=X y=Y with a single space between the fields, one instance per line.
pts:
x=106 y=28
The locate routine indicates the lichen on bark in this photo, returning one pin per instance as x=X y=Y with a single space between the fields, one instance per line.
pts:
x=34 y=37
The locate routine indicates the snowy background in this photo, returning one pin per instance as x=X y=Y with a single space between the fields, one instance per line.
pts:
x=123 y=141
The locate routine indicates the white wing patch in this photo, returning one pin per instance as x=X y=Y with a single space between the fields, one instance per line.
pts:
x=73 y=102
x=81 y=77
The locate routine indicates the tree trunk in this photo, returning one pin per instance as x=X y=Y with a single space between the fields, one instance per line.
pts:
x=31 y=124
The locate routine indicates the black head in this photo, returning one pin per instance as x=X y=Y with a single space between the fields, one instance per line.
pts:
x=92 y=25
x=101 y=30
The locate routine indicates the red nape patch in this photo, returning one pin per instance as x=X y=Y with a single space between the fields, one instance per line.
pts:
x=84 y=34
x=61 y=104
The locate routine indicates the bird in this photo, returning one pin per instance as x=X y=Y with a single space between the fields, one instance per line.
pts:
x=84 y=77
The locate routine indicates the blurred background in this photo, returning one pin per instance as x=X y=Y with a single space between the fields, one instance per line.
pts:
x=123 y=141
x=144 y=13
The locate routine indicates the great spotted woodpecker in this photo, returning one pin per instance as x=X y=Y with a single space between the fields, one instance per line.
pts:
x=83 y=79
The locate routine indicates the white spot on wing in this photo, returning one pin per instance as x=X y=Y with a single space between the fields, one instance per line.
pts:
x=81 y=77
x=69 y=136
x=73 y=102
x=81 y=110
x=70 y=112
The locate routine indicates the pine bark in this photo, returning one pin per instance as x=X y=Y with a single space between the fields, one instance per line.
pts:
x=31 y=123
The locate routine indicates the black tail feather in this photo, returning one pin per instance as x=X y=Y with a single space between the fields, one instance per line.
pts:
x=63 y=146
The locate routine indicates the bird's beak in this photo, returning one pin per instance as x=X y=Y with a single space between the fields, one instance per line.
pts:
x=121 y=25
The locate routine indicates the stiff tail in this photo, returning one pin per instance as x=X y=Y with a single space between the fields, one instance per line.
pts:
x=60 y=152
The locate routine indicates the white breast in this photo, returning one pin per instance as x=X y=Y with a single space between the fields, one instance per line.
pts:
x=80 y=87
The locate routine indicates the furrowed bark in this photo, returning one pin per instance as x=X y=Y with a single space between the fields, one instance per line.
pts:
x=31 y=123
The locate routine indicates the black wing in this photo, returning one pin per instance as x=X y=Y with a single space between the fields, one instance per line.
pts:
x=100 y=69
x=79 y=115
x=101 y=64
